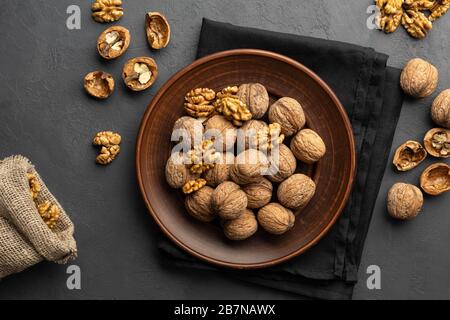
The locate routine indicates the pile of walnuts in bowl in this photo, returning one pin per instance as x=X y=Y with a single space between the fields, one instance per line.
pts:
x=233 y=165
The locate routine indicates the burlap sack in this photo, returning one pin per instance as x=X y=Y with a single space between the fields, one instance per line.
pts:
x=24 y=237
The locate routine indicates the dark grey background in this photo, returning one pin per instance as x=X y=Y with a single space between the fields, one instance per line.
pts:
x=46 y=116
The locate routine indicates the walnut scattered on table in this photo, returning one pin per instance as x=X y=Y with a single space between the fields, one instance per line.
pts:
x=110 y=146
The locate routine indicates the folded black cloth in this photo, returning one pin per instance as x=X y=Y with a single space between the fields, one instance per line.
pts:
x=370 y=93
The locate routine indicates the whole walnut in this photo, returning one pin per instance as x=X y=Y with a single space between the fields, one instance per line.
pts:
x=190 y=126
x=296 y=191
x=249 y=167
x=440 y=110
x=276 y=219
x=289 y=114
x=177 y=173
x=258 y=194
x=419 y=78
x=198 y=204
x=255 y=96
x=242 y=227
x=249 y=133
x=221 y=170
x=284 y=163
x=223 y=132
x=308 y=146
x=228 y=200
x=404 y=201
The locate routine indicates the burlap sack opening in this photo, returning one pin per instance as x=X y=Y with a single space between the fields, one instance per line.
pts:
x=24 y=237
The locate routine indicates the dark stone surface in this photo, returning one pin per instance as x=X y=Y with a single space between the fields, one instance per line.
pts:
x=46 y=116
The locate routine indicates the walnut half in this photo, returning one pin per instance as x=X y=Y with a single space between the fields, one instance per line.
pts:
x=437 y=142
x=113 y=42
x=435 y=179
x=99 y=84
x=139 y=73
x=409 y=155
x=157 y=29
x=107 y=10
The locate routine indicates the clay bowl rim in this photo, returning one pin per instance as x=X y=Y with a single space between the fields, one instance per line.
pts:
x=301 y=68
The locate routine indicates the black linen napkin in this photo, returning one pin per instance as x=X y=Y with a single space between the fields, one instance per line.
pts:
x=370 y=93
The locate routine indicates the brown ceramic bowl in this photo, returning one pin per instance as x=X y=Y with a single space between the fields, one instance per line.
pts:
x=333 y=174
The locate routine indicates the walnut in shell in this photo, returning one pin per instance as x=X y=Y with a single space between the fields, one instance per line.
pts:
x=283 y=161
x=409 y=155
x=139 y=73
x=419 y=78
x=437 y=142
x=256 y=98
x=107 y=10
x=258 y=194
x=296 y=191
x=221 y=171
x=289 y=114
x=435 y=179
x=99 y=84
x=198 y=204
x=249 y=166
x=249 y=133
x=189 y=128
x=177 y=173
x=113 y=42
x=157 y=29
x=221 y=131
x=404 y=201
x=276 y=219
x=242 y=227
x=308 y=146
x=199 y=102
x=228 y=200
x=440 y=110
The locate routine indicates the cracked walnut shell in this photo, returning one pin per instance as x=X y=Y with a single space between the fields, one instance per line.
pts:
x=296 y=191
x=435 y=179
x=437 y=142
x=289 y=114
x=199 y=102
x=404 y=201
x=419 y=78
x=249 y=166
x=276 y=219
x=107 y=10
x=255 y=97
x=308 y=146
x=157 y=29
x=99 y=84
x=232 y=108
x=113 y=42
x=198 y=204
x=242 y=227
x=139 y=73
x=229 y=201
x=390 y=14
x=440 y=110
x=416 y=23
x=409 y=155
x=258 y=194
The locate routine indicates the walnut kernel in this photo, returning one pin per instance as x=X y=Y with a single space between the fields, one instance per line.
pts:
x=419 y=78
x=437 y=142
x=289 y=114
x=242 y=227
x=193 y=185
x=139 y=73
x=435 y=179
x=233 y=109
x=203 y=157
x=416 y=23
x=440 y=110
x=49 y=213
x=113 y=42
x=255 y=97
x=109 y=142
x=157 y=29
x=99 y=84
x=228 y=200
x=439 y=9
x=107 y=10
x=198 y=204
x=296 y=191
x=276 y=219
x=199 y=102
x=409 y=155
x=35 y=186
x=390 y=14
x=404 y=201
x=258 y=194
x=308 y=146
